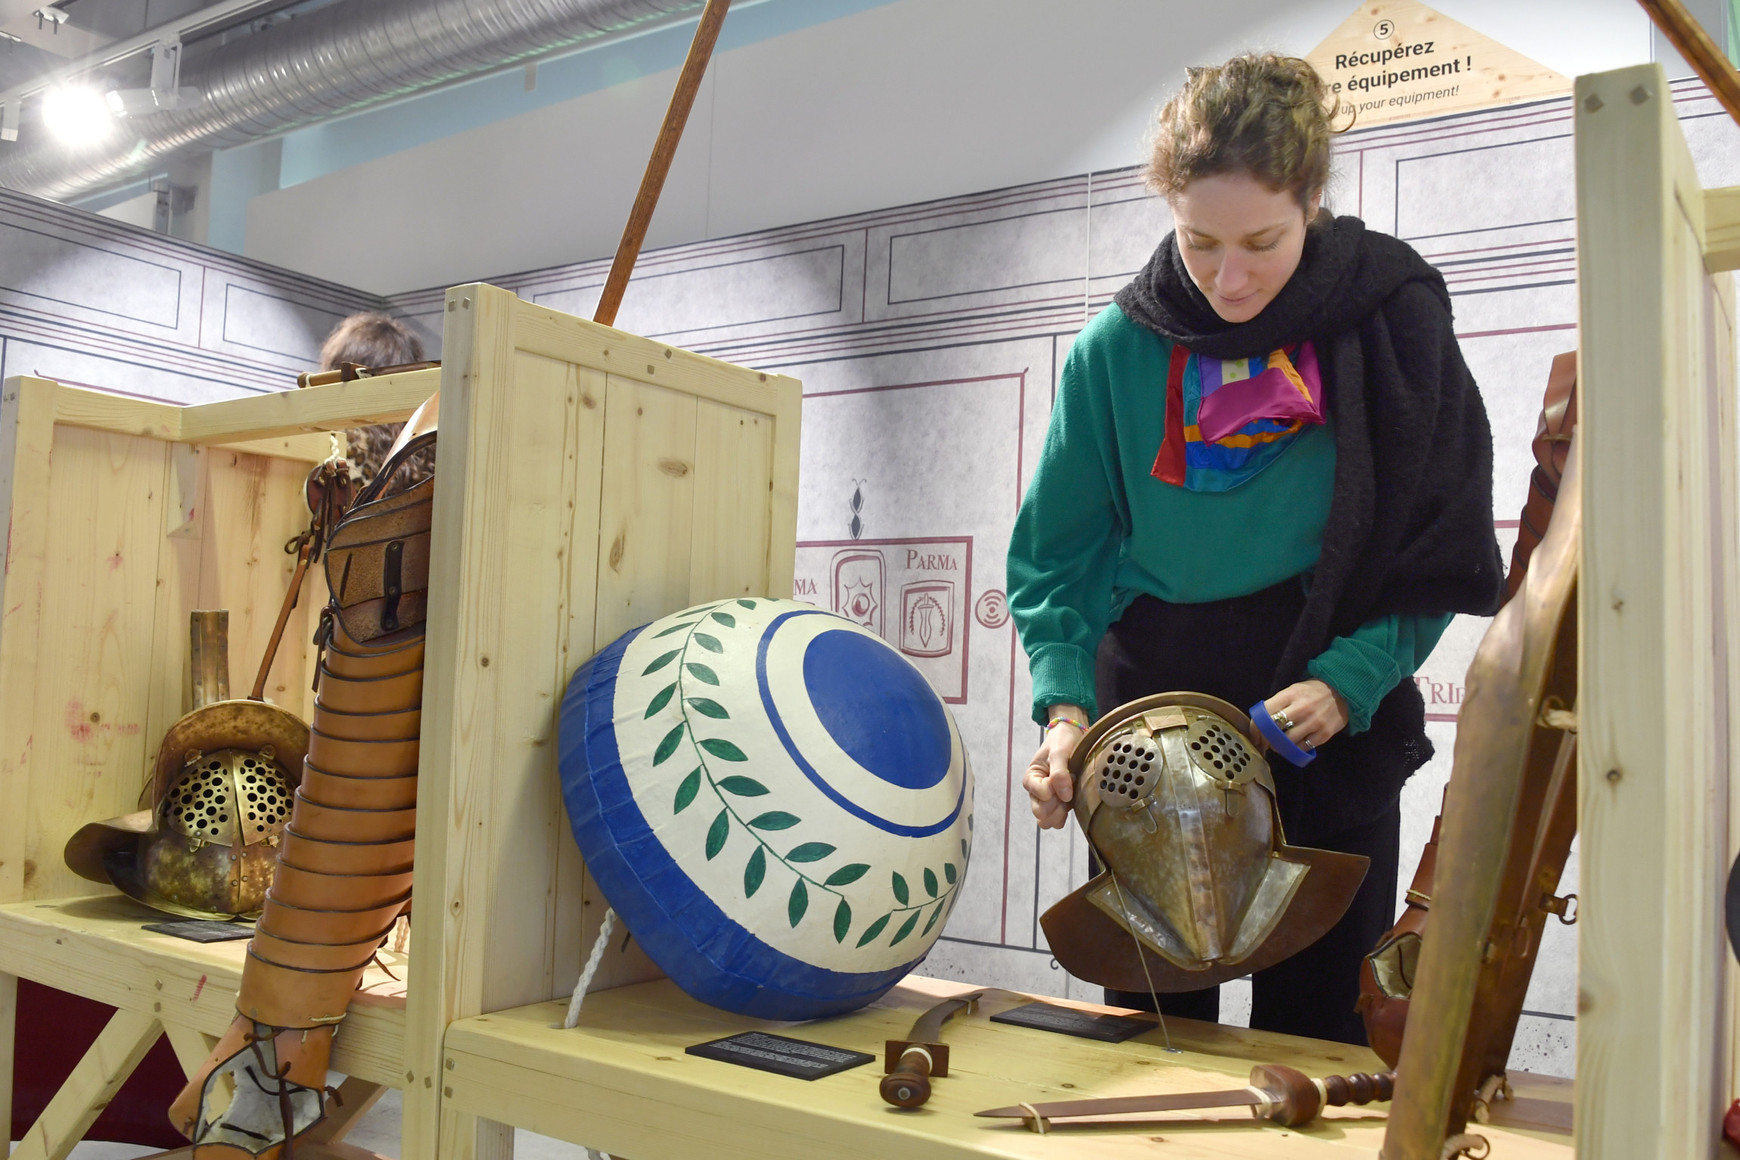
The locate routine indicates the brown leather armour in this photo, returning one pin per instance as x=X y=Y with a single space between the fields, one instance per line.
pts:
x=344 y=872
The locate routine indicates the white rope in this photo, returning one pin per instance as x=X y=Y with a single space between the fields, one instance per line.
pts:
x=592 y=963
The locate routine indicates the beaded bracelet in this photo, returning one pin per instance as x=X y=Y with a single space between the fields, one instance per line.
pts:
x=1056 y=721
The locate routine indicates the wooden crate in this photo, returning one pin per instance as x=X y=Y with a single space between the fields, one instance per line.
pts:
x=590 y=481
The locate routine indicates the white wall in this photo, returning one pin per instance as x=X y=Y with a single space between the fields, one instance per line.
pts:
x=909 y=101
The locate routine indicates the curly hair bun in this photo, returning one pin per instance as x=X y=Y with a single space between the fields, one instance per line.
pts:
x=1266 y=115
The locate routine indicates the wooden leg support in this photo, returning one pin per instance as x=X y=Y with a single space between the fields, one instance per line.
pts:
x=191 y=1047
x=355 y=1098
x=90 y=1087
x=495 y=1141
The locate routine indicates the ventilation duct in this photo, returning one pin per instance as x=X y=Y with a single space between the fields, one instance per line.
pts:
x=335 y=60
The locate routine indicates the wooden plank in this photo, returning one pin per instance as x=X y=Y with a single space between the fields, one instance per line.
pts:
x=647 y=509
x=26 y=441
x=1653 y=796
x=529 y=515
x=120 y=1046
x=254 y=505
x=583 y=460
x=578 y=340
x=495 y=1140
x=1722 y=229
x=93 y=688
x=304 y=449
x=387 y=399
x=101 y=411
x=622 y=1083
x=464 y=672
x=729 y=545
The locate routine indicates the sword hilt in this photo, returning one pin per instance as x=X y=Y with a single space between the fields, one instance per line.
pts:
x=1294 y=1098
x=910 y=1066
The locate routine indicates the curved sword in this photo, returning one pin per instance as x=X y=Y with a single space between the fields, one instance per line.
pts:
x=910 y=1062
x=1284 y=1095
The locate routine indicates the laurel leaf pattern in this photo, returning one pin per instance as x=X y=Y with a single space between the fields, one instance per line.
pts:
x=669 y=745
x=842 y=920
x=717 y=833
x=742 y=786
x=661 y=699
x=874 y=929
x=755 y=872
x=687 y=791
x=850 y=872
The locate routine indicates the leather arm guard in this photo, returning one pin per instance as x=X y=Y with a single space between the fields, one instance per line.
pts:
x=344 y=865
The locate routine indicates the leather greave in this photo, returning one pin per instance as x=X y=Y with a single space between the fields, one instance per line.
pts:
x=345 y=859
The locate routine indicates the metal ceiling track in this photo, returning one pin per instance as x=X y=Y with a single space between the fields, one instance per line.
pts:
x=333 y=61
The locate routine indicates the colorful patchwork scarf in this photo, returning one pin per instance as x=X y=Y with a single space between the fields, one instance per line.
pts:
x=1227 y=419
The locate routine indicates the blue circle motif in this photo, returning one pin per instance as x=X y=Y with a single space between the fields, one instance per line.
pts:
x=878 y=708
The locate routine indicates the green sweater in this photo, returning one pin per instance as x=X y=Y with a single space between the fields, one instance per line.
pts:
x=1096 y=530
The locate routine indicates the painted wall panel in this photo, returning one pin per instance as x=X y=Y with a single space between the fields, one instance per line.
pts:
x=88 y=300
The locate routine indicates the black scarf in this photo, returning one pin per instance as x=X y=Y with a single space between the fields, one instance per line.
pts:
x=1409 y=425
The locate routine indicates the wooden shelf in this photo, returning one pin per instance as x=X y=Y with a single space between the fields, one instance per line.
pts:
x=97 y=947
x=621 y=1083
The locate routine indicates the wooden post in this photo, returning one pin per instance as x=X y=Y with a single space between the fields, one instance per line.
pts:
x=1656 y=620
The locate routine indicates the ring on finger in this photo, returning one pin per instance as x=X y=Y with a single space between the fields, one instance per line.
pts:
x=1282 y=722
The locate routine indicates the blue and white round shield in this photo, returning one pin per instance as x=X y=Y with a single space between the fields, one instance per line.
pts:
x=775 y=802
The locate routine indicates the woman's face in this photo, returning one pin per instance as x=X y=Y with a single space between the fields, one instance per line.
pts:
x=1240 y=239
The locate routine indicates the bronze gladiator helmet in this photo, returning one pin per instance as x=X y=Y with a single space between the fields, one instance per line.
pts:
x=1198 y=884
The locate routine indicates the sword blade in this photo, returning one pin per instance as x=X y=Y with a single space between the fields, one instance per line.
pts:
x=928 y=1026
x=1180 y=1102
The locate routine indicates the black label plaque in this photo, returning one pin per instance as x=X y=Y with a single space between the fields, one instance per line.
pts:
x=203 y=930
x=776 y=1053
x=1069 y=1021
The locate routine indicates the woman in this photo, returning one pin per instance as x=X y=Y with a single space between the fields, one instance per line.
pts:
x=1268 y=476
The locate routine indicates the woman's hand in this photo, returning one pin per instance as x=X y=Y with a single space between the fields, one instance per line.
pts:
x=1310 y=712
x=1047 y=780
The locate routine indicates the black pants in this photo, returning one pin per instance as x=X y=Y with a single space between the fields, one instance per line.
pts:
x=1230 y=648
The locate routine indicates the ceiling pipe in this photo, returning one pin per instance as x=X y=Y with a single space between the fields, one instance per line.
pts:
x=336 y=60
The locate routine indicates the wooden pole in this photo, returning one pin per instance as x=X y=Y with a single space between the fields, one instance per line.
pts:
x=664 y=150
x=1709 y=62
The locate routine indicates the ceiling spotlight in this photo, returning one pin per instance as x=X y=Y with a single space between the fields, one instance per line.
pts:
x=76 y=115
x=166 y=91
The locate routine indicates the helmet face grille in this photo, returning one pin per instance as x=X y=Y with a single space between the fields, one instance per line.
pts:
x=1217 y=750
x=229 y=794
x=1126 y=769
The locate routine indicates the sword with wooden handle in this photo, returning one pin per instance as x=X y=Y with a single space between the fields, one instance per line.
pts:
x=911 y=1062
x=1281 y=1094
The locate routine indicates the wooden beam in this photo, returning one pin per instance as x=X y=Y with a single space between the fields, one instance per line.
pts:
x=90 y=1087
x=191 y=1046
x=386 y=399
x=1722 y=229
x=1655 y=668
x=354 y=1100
